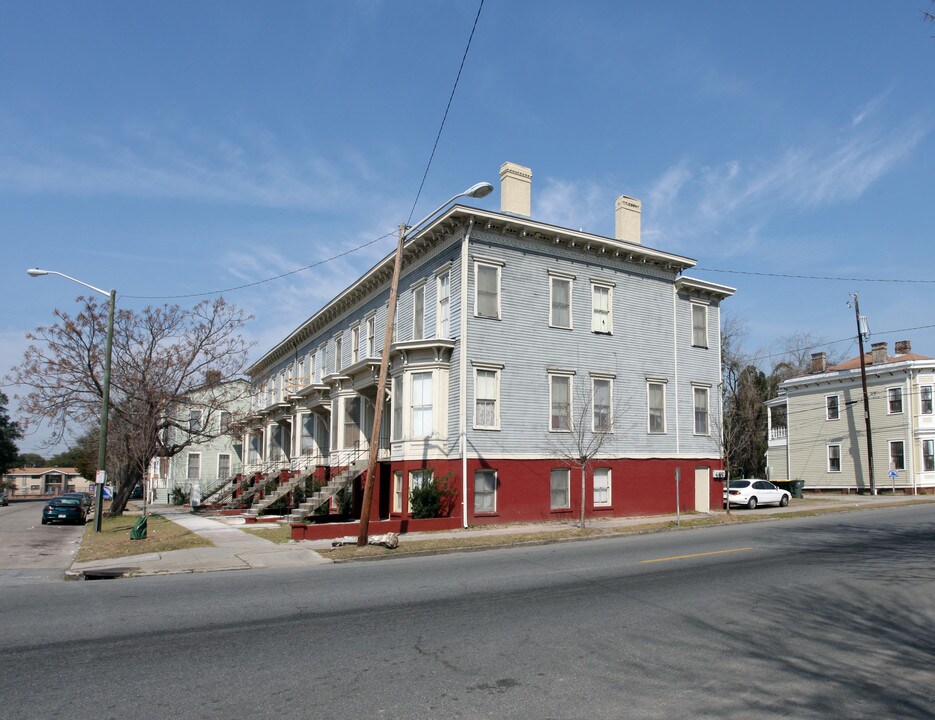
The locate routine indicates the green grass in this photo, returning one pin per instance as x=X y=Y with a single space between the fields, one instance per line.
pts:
x=274 y=532
x=114 y=539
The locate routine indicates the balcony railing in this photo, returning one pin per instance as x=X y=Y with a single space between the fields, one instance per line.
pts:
x=778 y=433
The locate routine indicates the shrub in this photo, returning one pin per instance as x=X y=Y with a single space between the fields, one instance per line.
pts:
x=429 y=498
x=179 y=496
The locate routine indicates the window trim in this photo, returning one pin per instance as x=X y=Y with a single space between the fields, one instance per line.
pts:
x=665 y=421
x=569 y=375
x=609 y=379
x=230 y=466
x=493 y=493
x=355 y=343
x=188 y=466
x=889 y=400
x=426 y=473
x=418 y=310
x=923 y=400
x=609 y=287
x=698 y=305
x=397 y=491
x=706 y=389
x=555 y=276
x=928 y=467
x=413 y=407
x=902 y=458
x=338 y=352
x=371 y=331
x=567 y=505
x=443 y=303
x=828 y=458
x=610 y=485
x=837 y=407
x=497 y=266
x=494 y=368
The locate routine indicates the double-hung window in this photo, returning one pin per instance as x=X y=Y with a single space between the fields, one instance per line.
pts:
x=602 y=303
x=371 y=331
x=417 y=479
x=338 y=354
x=487 y=289
x=486 y=397
x=700 y=397
x=421 y=404
x=443 y=309
x=485 y=491
x=355 y=344
x=656 y=406
x=194 y=421
x=925 y=399
x=832 y=407
x=224 y=423
x=224 y=466
x=560 y=489
x=194 y=466
x=418 y=312
x=602 y=392
x=397 y=401
x=834 y=458
x=699 y=325
x=928 y=455
x=398 y=491
x=560 y=289
x=602 y=486
x=560 y=402
x=897 y=455
x=894 y=400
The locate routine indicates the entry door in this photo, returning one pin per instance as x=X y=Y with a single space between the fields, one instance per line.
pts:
x=702 y=489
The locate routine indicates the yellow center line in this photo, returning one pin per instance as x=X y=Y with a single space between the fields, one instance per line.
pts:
x=685 y=557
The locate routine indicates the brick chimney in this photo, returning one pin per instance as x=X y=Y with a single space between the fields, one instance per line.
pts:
x=628 y=213
x=515 y=189
x=819 y=362
x=878 y=353
x=903 y=347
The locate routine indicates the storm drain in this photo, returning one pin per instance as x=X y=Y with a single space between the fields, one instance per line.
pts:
x=107 y=573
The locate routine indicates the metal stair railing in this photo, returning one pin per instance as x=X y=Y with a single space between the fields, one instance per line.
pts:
x=228 y=483
x=353 y=462
x=300 y=471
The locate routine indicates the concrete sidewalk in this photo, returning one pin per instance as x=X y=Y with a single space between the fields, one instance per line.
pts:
x=235 y=549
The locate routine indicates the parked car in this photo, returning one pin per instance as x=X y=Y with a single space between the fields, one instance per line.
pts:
x=85 y=498
x=752 y=492
x=64 y=510
x=4 y=500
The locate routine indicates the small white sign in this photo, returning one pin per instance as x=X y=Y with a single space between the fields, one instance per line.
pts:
x=100 y=477
x=720 y=474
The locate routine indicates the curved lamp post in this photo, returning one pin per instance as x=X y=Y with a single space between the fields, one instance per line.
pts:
x=105 y=400
x=482 y=189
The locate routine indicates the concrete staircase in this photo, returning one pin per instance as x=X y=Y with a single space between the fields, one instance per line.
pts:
x=334 y=486
x=285 y=487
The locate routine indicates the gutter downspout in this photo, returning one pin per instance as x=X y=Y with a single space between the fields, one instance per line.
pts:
x=462 y=371
x=675 y=357
x=910 y=454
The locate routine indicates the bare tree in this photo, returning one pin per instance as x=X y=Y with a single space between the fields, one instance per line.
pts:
x=160 y=355
x=585 y=426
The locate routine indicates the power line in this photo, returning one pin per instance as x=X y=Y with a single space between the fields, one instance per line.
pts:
x=445 y=116
x=813 y=277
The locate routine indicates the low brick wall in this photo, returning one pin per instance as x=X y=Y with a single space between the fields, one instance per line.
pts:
x=330 y=531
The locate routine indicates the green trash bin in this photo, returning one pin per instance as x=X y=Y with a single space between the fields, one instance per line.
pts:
x=797 y=486
x=139 y=529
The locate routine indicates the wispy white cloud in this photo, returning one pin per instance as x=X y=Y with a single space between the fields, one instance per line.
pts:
x=573 y=205
x=179 y=163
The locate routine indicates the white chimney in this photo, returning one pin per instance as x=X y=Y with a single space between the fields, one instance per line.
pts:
x=628 y=211
x=515 y=189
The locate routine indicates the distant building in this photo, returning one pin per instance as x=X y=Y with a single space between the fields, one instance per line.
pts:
x=510 y=333
x=47 y=481
x=817 y=430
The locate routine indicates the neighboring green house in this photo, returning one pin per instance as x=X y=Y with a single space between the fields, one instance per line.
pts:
x=213 y=451
x=817 y=431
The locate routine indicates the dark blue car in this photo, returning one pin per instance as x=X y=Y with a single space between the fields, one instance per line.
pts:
x=64 y=510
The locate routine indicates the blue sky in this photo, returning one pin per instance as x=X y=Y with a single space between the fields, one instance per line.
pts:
x=174 y=148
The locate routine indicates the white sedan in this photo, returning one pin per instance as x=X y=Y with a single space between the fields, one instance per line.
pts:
x=756 y=492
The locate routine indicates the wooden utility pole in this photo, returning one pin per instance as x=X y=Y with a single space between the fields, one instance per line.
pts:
x=863 y=382
x=363 y=535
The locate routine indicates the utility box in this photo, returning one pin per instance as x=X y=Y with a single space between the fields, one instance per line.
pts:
x=139 y=529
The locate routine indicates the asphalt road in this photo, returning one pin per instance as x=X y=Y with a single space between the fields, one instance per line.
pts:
x=827 y=617
x=31 y=551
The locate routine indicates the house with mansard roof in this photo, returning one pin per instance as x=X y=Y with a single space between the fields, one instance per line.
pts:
x=818 y=433
x=510 y=335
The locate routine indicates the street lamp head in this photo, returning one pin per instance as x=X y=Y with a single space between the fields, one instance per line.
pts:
x=482 y=189
x=36 y=272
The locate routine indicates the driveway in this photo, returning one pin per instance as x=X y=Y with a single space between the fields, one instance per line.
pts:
x=30 y=550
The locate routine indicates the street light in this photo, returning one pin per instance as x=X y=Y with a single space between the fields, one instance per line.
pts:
x=481 y=189
x=105 y=402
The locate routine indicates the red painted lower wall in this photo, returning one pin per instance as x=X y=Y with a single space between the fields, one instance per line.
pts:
x=638 y=487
